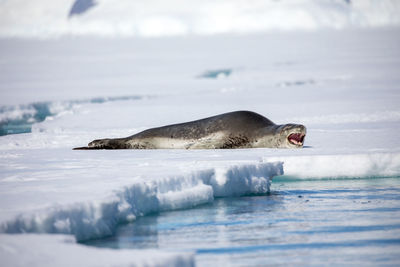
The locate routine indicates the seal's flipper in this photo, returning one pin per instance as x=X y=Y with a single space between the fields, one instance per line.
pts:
x=85 y=148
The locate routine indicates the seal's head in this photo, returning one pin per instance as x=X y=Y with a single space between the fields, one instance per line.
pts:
x=291 y=135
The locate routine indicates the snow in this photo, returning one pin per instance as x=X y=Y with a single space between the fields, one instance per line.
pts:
x=343 y=85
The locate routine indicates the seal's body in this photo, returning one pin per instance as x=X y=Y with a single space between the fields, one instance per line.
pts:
x=239 y=129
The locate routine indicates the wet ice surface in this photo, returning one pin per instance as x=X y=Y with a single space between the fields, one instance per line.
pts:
x=312 y=222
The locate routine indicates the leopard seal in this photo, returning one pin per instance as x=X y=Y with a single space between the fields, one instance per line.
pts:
x=238 y=129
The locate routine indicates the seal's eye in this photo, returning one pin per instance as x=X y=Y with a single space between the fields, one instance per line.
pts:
x=296 y=139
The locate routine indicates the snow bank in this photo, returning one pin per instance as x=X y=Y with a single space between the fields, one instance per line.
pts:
x=59 y=250
x=341 y=166
x=96 y=219
x=46 y=18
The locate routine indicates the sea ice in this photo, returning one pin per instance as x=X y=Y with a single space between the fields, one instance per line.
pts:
x=350 y=109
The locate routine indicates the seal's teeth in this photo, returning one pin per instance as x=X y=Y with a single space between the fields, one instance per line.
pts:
x=296 y=138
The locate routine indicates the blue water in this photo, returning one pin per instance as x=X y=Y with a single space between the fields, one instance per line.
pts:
x=214 y=74
x=311 y=222
x=31 y=113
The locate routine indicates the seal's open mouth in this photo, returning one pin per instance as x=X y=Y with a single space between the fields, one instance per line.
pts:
x=296 y=139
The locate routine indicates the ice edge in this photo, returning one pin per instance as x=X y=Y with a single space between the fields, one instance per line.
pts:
x=91 y=220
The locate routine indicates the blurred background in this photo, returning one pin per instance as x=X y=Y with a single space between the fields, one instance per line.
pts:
x=154 y=18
